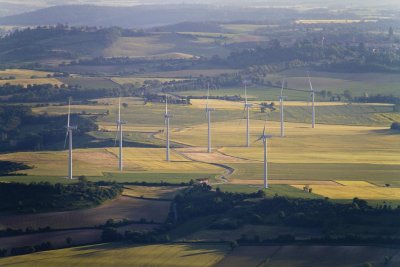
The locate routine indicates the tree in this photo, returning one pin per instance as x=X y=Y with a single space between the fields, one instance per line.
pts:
x=110 y=235
x=395 y=126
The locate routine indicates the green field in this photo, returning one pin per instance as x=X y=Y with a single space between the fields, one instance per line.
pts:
x=90 y=82
x=273 y=190
x=121 y=254
x=357 y=83
x=164 y=45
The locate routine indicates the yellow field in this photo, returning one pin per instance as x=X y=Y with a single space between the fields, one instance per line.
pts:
x=23 y=73
x=26 y=82
x=325 y=144
x=354 y=183
x=217 y=104
x=352 y=189
x=329 y=152
x=137 y=47
x=93 y=162
x=125 y=255
x=234 y=105
x=153 y=160
x=321 y=21
x=131 y=128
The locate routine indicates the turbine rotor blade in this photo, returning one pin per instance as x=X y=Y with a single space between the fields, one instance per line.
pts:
x=69 y=112
x=166 y=104
x=245 y=91
x=119 y=109
x=309 y=80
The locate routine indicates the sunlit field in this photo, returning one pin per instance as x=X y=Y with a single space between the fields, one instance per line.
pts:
x=23 y=73
x=26 y=82
x=360 y=189
x=185 y=255
x=94 y=162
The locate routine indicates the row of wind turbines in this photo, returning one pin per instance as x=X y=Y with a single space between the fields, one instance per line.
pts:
x=167 y=116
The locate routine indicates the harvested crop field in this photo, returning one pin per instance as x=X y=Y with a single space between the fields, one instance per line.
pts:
x=95 y=162
x=124 y=255
x=121 y=208
x=286 y=182
x=163 y=192
x=214 y=157
x=352 y=189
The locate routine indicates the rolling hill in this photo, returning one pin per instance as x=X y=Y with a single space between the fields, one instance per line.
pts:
x=142 y=16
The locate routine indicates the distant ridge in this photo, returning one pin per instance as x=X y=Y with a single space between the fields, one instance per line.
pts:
x=141 y=16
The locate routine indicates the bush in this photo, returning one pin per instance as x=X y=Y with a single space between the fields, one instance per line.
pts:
x=3 y=253
x=233 y=244
x=226 y=224
x=22 y=250
x=110 y=235
x=395 y=126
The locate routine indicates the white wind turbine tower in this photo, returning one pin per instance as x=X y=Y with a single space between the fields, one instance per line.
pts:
x=68 y=134
x=121 y=136
x=313 y=101
x=208 y=114
x=281 y=100
x=167 y=116
x=247 y=108
x=264 y=137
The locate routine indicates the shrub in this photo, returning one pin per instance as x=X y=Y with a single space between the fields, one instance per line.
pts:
x=395 y=126
x=110 y=235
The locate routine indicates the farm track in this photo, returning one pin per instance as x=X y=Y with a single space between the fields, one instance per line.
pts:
x=228 y=170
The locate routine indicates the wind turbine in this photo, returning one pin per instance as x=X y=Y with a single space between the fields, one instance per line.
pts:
x=247 y=107
x=208 y=114
x=281 y=100
x=264 y=137
x=167 y=116
x=120 y=133
x=68 y=134
x=313 y=101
